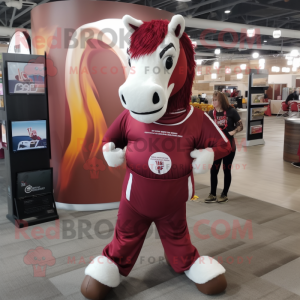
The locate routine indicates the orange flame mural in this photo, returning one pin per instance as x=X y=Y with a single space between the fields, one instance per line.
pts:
x=87 y=120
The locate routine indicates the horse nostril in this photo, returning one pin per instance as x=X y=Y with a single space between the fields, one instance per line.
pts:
x=155 y=99
x=123 y=99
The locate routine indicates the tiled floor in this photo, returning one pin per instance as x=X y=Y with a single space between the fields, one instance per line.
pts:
x=261 y=254
x=257 y=241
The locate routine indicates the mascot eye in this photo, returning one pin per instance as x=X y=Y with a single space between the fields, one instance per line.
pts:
x=129 y=62
x=169 y=62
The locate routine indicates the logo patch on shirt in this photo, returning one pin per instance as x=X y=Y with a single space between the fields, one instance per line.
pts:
x=221 y=121
x=159 y=163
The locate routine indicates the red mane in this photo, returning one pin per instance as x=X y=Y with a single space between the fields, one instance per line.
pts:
x=146 y=39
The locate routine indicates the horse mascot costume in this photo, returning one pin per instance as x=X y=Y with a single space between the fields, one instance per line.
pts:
x=164 y=140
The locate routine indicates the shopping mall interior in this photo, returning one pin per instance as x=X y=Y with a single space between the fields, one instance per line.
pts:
x=211 y=124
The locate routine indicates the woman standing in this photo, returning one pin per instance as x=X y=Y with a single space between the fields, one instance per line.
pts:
x=229 y=121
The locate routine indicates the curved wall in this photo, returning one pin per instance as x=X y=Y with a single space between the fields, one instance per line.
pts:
x=83 y=103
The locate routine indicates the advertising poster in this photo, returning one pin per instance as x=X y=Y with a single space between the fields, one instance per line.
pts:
x=26 y=78
x=29 y=135
x=257 y=98
x=258 y=113
x=1 y=102
x=259 y=80
x=256 y=129
x=34 y=183
x=3 y=135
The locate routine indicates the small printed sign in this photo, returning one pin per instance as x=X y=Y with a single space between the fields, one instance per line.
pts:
x=160 y=163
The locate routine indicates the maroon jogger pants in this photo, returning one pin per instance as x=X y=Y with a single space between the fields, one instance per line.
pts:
x=145 y=201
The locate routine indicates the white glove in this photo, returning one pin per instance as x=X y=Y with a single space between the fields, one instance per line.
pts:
x=204 y=159
x=114 y=157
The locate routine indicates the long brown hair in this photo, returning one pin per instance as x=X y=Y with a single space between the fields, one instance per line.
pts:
x=223 y=100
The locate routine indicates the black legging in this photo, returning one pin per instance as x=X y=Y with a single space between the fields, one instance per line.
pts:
x=227 y=165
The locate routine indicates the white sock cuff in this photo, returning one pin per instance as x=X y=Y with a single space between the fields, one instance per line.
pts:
x=204 y=269
x=104 y=270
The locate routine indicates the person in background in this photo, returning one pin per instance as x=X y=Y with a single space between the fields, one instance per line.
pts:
x=229 y=121
x=266 y=96
x=194 y=98
x=227 y=93
x=202 y=98
x=292 y=96
x=234 y=93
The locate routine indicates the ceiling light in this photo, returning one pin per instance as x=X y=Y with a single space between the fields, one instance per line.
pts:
x=296 y=62
x=294 y=53
x=227 y=70
x=265 y=41
x=262 y=61
x=275 y=69
x=289 y=62
x=261 y=66
x=243 y=67
x=255 y=55
x=286 y=70
x=214 y=76
x=216 y=65
x=288 y=56
x=251 y=32
x=227 y=11
x=276 y=33
x=239 y=76
x=217 y=51
x=199 y=61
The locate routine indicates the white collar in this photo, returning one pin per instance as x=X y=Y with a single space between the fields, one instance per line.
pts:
x=188 y=115
x=177 y=112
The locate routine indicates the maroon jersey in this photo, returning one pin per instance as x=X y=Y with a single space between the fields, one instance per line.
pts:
x=161 y=150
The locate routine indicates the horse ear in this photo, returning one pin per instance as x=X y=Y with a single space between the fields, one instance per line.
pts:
x=177 y=26
x=131 y=23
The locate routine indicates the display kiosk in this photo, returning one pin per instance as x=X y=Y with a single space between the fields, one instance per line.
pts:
x=26 y=131
x=258 y=83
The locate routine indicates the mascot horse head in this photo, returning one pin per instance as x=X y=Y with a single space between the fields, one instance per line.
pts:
x=161 y=56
